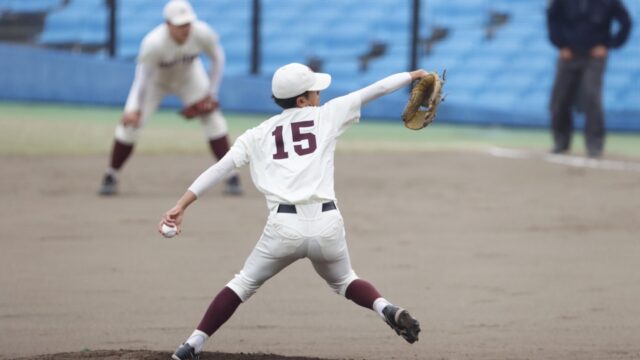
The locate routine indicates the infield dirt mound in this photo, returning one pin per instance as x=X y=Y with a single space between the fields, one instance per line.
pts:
x=156 y=355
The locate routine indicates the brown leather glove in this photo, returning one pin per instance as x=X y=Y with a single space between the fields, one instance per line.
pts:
x=421 y=109
x=201 y=107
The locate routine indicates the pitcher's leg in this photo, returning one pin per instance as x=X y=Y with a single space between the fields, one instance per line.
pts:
x=219 y=311
x=337 y=272
x=259 y=267
x=362 y=293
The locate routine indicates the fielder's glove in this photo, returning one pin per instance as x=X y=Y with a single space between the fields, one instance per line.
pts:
x=426 y=95
x=201 y=107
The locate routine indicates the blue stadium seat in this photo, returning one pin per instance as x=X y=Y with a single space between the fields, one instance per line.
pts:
x=519 y=82
x=387 y=65
x=465 y=81
x=95 y=32
x=631 y=99
x=342 y=68
x=62 y=27
x=439 y=62
x=536 y=99
x=494 y=99
x=22 y=6
x=78 y=22
x=518 y=64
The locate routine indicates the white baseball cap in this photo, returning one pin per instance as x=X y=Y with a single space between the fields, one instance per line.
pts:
x=295 y=79
x=179 y=12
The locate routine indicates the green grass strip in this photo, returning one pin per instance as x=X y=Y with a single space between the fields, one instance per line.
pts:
x=38 y=129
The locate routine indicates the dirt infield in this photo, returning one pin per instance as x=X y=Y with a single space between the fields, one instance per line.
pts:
x=498 y=258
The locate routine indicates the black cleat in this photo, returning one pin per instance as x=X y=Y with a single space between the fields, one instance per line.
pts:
x=109 y=185
x=185 y=351
x=402 y=322
x=233 y=186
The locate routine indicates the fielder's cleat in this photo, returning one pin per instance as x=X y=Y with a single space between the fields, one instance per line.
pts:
x=185 y=351
x=402 y=322
x=109 y=185
x=233 y=186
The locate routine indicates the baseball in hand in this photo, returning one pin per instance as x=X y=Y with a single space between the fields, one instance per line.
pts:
x=169 y=231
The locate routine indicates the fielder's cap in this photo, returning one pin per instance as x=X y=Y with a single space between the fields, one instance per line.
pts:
x=295 y=79
x=179 y=12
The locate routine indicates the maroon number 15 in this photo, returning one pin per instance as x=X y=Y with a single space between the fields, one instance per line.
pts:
x=297 y=136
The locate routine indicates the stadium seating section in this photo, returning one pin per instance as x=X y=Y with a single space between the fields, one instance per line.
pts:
x=496 y=52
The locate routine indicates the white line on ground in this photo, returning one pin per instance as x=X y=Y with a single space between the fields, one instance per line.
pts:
x=510 y=153
x=568 y=160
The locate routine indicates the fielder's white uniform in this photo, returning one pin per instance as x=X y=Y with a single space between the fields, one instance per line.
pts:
x=166 y=67
x=291 y=158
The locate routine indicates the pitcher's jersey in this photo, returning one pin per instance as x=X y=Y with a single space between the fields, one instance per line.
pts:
x=171 y=61
x=291 y=154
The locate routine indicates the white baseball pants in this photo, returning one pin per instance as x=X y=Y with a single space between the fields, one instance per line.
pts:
x=311 y=233
x=193 y=87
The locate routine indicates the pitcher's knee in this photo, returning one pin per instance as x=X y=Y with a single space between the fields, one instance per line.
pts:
x=243 y=286
x=340 y=287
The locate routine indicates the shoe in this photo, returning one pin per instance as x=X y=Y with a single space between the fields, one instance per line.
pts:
x=559 y=151
x=233 y=186
x=109 y=185
x=594 y=154
x=402 y=322
x=185 y=351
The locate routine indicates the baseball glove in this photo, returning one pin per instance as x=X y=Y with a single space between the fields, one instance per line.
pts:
x=201 y=107
x=426 y=95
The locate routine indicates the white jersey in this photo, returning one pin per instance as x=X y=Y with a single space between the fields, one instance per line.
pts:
x=291 y=154
x=164 y=62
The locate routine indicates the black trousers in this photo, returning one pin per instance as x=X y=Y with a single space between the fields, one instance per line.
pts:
x=579 y=79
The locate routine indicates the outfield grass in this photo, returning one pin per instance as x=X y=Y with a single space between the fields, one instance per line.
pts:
x=34 y=129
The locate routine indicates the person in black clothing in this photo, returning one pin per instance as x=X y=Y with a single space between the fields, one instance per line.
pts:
x=582 y=31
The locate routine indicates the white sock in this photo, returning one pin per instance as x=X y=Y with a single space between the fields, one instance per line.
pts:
x=197 y=340
x=111 y=171
x=379 y=304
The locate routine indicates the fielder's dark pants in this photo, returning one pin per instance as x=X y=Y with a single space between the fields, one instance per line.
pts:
x=579 y=79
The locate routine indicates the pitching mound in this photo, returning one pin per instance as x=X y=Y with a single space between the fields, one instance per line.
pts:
x=156 y=355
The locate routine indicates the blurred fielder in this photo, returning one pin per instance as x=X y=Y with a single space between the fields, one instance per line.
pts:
x=168 y=63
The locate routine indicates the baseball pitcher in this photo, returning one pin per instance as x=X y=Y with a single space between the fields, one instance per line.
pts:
x=169 y=63
x=291 y=157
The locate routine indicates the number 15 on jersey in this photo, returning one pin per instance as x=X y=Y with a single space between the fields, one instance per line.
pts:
x=303 y=142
